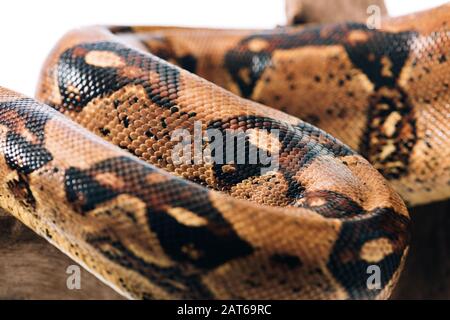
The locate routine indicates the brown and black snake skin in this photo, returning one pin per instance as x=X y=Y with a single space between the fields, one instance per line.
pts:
x=90 y=167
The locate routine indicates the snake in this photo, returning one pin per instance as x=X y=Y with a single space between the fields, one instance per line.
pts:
x=124 y=162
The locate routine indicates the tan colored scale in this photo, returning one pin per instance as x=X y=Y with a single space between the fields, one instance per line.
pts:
x=320 y=85
x=257 y=210
x=271 y=230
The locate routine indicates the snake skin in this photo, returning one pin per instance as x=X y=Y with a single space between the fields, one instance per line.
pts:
x=90 y=167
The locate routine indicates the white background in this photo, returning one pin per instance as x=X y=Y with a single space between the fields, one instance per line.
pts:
x=29 y=29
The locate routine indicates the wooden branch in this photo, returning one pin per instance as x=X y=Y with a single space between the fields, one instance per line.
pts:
x=326 y=11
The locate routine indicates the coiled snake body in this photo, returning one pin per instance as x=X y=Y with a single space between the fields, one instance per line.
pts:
x=154 y=228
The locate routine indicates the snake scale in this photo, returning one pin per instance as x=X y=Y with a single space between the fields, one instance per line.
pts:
x=90 y=166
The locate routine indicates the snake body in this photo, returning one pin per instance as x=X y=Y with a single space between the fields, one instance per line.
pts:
x=90 y=166
x=383 y=92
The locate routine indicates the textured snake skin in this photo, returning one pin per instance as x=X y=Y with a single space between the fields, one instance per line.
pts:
x=310 y=227
x=382 y=92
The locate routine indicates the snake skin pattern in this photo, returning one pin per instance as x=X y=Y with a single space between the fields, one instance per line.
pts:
x=382 y=92
x=90 y=167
